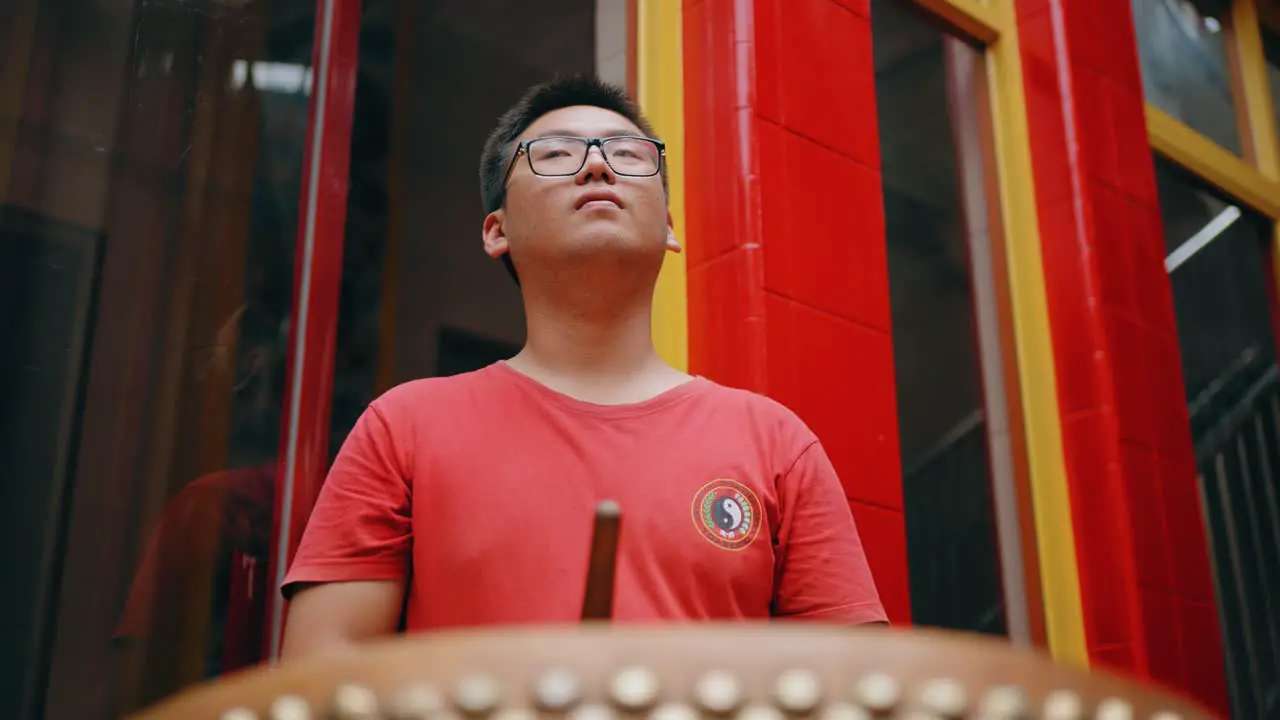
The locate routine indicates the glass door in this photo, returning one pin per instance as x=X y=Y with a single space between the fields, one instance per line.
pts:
x=418 y=295
x=164 y=247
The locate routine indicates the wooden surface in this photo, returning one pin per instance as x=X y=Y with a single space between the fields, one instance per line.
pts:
x=756 y=656
x=602 y=565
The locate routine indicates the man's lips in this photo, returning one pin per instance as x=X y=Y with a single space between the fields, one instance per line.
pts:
x=592 y=197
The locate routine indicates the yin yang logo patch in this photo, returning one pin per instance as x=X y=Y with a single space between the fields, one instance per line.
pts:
x=727 y=513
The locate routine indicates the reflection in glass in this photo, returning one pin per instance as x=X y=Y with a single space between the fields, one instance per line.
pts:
x=420 y=297
x=1218 y=266
x=1271 y=50
x=1182 y=49
x=152 y=163
x=935 y=211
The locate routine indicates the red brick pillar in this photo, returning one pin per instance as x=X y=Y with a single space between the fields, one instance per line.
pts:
x=788 y=274
x=1145 y=581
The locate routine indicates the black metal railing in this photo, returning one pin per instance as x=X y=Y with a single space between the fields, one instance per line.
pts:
x=952 y=548
x=1238 y=454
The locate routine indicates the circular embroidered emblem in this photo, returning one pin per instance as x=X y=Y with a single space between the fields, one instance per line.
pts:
x=727 y=514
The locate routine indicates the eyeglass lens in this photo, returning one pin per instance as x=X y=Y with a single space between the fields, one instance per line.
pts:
x=566 y=155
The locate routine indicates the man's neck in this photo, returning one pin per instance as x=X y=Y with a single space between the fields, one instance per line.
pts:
x=596 y=352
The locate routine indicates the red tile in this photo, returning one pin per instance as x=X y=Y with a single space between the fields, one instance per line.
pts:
x=1083 y=21
x=833 y=262
x=722 y=17
x=1096 y=151
x=1141 y=468
x=765 y=40
x=1168 y=396
x=859 y=7
x=828 y=77
x=1148 y=229
x=839 y=378
x=1127 y=112
x=748 y=192
x=774 y=182
x=724 y=339
x=1163 y=637
x=1103 y=534
x=1030 y=10
x=1104 y=604
x=1081 y=387
x=1202 y=654
x=695 y=45
x=1188 y=542
x=1152 y=293
x=1111 y=243
x=1097 y=497
x=1045 y=123
x=1127 y=350
x=884 y=536
x=1120 y=46
x=711 y=170
x=1118 y=658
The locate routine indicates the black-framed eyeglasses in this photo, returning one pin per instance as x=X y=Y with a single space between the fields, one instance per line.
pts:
x=557 y=156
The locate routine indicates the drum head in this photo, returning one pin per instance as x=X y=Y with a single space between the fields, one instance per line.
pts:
x=767 y=671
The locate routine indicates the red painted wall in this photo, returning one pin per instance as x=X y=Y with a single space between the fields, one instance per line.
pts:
x=788 y=276
x=1145 y=579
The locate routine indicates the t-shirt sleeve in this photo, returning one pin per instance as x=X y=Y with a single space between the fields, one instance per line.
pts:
x=360 y=527
x=822 y=571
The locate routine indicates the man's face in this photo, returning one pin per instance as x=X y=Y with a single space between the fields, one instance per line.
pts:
x=597 y=210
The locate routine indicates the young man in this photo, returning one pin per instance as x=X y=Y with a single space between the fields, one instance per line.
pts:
x=468 y=500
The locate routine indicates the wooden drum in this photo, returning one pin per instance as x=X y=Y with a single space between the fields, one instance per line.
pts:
x=738 y=671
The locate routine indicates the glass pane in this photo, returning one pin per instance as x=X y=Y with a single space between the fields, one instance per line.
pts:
x=1184 y=65
x=1271 y=50
x=935 y=211
x=1219 y=268
x=151 y=156
x=420 y=298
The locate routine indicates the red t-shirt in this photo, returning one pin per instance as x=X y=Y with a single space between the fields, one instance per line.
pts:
x=481 y=489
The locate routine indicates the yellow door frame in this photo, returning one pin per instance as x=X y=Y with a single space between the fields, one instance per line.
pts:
x=1033 y=342
x=660 y=90
x=1253 y=179
x=992 y=23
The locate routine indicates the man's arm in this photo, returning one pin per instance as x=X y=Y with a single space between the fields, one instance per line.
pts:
x=330 y=616
x=347 y=582
x=821 y=572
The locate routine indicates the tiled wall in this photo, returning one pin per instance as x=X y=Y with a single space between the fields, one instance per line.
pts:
x=788 y=277
x=1144 y=572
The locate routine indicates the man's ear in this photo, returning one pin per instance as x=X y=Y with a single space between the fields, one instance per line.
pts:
x=495 y=237
x=672 y=243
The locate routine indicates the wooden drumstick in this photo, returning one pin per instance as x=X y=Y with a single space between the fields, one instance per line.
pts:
x=602 y=562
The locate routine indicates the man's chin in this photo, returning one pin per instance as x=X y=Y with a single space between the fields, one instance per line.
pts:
x=607 y=240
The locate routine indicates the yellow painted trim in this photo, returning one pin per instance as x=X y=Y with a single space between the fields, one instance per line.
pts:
x=1215 y=164
x=972 y=18
x=1259 y=111
x=1246 y=34
x=995 y=23
x=659 y=74
x=1051 y=506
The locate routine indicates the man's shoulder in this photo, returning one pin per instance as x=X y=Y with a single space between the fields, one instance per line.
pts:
x=436 y=392
x=768 y=414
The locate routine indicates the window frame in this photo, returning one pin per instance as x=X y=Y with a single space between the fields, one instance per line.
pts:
x=1040 y=533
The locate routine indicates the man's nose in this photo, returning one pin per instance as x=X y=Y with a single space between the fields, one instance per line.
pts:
x=596 y=166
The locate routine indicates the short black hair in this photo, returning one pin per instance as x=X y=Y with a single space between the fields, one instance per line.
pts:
x=560 y=92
